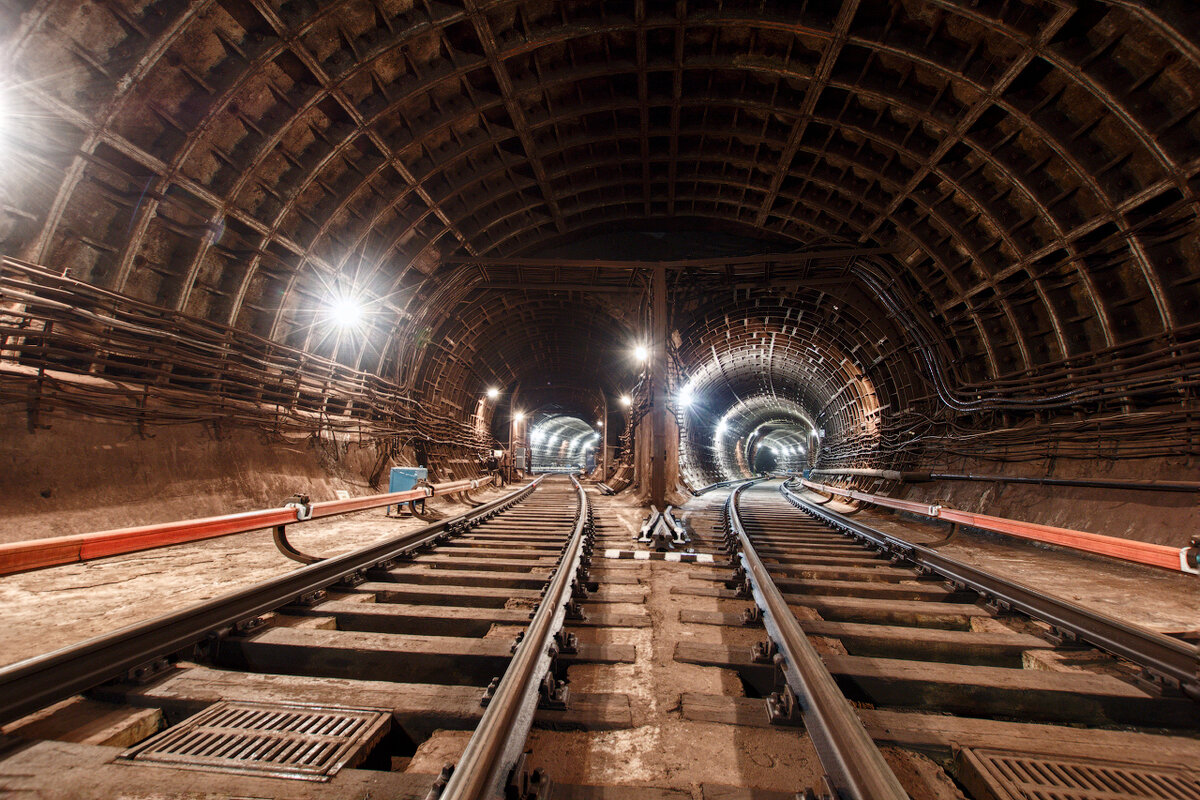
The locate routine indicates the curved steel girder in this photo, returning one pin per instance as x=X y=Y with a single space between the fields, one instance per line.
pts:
x=1079 y=75
x=749 y=21
x=866 y=333
x=607 y=69
x=859 y=165
x=496 y=331
x=288 y=43
x=999 y=226
x=710 y=337
x=835 y=213
x=1063 y=153
x=123 y=91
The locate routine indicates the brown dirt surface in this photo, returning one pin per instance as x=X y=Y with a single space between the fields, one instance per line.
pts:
x=663 y=749
x=51 y=608
x=1153 y=598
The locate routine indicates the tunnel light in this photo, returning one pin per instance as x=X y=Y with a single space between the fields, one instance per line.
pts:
x=626 y=400
x=686 y=396
x=517 y=417
x=641 y=353
x=722 y=426
x=535 y=437
x=599 y=423
x=346 y=312
x=493 y=393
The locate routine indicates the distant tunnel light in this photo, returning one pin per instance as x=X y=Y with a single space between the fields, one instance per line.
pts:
x=626 y=400
x=493 y=393
x=686 y=396
x=346 y=312
x=641 y=353
x=517 y=417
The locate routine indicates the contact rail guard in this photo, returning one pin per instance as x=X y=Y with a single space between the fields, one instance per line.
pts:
x=1179 y=559
x=59 y=550
x=495 y=750
x=852 y=762
x=1167 y=661
x=37 y=682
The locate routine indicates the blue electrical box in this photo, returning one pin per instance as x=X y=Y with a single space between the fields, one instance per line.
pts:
x=404 y=478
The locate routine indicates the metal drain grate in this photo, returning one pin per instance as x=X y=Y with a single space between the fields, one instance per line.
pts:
x=1001 y=775
x=281 y=740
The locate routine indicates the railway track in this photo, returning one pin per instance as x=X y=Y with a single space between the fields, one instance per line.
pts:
x=874 y=644
x=321 y=683
x=911 y=675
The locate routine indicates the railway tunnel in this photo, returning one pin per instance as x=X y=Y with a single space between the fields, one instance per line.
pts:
x=351 y=283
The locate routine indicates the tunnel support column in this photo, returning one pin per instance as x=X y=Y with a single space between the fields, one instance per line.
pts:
x=658 y=387
x=603 y=436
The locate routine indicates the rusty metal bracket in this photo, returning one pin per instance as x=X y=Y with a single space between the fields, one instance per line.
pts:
x=783 y=708
x=764 y=652
x=526 y=785
x=553 y=693
x=939 y=542
x=284 y=546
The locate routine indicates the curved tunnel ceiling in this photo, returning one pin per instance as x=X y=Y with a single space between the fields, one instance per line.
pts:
x=1022 y=175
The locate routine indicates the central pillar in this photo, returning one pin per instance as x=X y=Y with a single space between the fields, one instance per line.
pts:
x=658 y=388
x=604 y=436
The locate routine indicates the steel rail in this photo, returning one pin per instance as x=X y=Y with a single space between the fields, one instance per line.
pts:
x=37 y=682
x=852 y=762
x=1172 y=661
x=487 y=763
x=58 y=550
x=1177 y=559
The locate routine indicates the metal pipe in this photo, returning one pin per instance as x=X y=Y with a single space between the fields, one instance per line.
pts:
x=1094 y=483
x=851 y=759
x=483 y=769
x=35 y=683
x=57 y=550
x=1179 y=559
x=1172 y=659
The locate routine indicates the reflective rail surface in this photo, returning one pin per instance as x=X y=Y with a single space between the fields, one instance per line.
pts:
x=1179 y=559
x=1172 y=661
x=58 y=550
x=487 y=763
x=35 y=683
x=853 y=763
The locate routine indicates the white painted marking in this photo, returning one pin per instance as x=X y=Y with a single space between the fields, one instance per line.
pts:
x=674 y=556
x=704 y=558
x=642 y=555
x=612 y=553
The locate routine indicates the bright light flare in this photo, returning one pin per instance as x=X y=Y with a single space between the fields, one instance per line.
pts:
x=517 y=417
x=686 y=396
x=493 y=393
x=346 y=312
x=626 y=400
x=641 y=353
